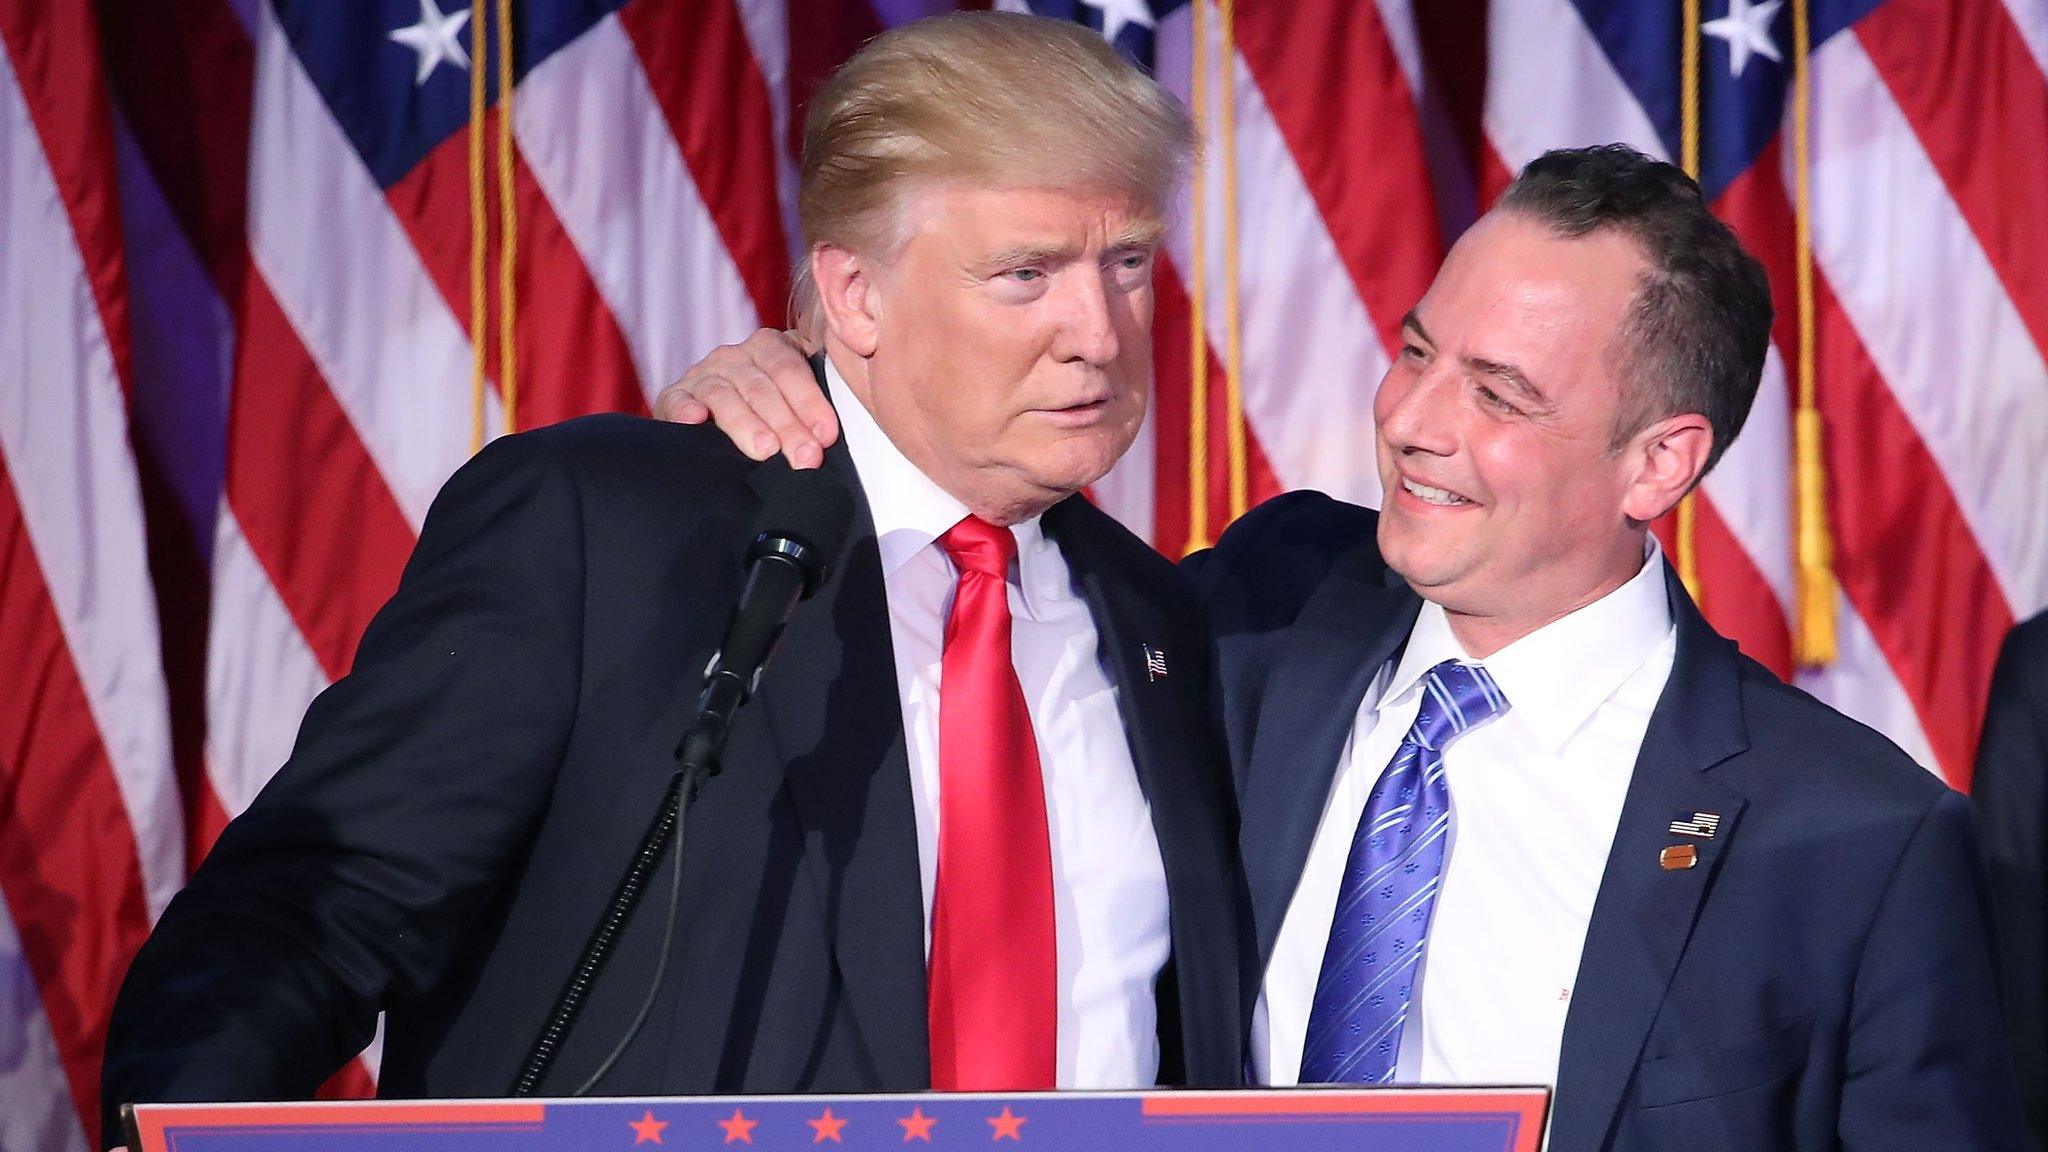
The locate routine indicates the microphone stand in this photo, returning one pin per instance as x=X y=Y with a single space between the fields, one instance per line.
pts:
x=695 y=763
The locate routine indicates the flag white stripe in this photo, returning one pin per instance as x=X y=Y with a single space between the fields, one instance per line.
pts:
x=38 y=1115
x=1312 y=358
x=598 y=144
x=260 y=673
x=2030 y=17
x=767 y=27
x=352 y=285
x=1933 y=315
x=1861 y=684
x=64 y=434
x=1551 y=85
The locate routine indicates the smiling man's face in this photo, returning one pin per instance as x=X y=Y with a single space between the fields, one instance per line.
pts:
x=1504 y=499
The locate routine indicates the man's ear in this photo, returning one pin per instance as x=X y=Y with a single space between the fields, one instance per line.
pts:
x=1670 y=456
x=847 y=296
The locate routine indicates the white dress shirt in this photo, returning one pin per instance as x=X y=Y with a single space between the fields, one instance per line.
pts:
x=1535 y=797
x=1109 y=883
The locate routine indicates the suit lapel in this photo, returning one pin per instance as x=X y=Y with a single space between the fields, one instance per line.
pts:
x=1644 y=913
x=1351 y=625
x=1162 y=700
x=836 y=723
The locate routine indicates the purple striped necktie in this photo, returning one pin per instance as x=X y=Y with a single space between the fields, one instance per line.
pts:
x=1390 y=880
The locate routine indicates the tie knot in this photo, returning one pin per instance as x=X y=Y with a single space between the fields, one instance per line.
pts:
x=979 y=546
x=1455 y=697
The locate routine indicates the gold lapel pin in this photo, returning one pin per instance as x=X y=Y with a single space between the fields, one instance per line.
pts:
x=1678 y=857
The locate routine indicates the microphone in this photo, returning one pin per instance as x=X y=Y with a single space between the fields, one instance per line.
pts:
x=796 y=539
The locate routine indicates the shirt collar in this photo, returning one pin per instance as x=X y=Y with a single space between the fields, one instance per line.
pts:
x=911 y=511
x=1556 y=677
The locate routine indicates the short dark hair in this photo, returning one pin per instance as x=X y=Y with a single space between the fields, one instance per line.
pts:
x=1695 y=337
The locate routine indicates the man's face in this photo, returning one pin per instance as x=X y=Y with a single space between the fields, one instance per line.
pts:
x=1503 y=500
x=1013 y=357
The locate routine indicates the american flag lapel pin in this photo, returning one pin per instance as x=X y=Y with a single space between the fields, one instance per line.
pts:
x=1155 y=663
x=1701 y=825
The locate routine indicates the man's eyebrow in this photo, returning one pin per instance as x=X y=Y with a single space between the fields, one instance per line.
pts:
x=1142 y=234
x=1411 y=320
x=1516 y=380
x=1029 y=254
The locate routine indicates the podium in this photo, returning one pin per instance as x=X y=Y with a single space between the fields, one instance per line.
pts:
x=1303 y=1120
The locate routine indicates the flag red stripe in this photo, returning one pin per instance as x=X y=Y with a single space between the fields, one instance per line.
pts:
x=703 y=74
x=315 y=509
x=572 y=356
x=1337 y=93
x=1887 y=497
x=1171 y=398
x=185 y=88
x=55 y=50
x=1962 y=75
x=1735 y=597
x=1939 y=626
x=68 y=863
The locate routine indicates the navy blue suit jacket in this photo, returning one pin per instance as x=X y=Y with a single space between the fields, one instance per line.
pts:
x=1821 y=978
x=2011 y=792
x=459 y=808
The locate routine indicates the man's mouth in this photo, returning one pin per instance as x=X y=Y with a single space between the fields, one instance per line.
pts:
x=1439 y=497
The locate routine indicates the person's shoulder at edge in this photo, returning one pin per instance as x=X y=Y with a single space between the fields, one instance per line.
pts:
x=1267 y=565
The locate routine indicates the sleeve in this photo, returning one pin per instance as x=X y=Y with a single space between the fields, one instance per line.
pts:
x=2011 y=793
x=415 y=783
x=1926 y=1063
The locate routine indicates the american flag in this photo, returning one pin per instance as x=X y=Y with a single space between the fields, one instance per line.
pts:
x=244 y=298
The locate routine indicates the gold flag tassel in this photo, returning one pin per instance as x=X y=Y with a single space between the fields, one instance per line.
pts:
x=1233 y=327
x=483 y=181
x=1198 y=300
x=479 y=234
x=1814 y=574
x=1689 y=159
x=508 y=224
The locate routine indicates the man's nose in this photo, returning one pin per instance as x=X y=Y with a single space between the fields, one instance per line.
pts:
x=1089 y=327
x=1420 y=414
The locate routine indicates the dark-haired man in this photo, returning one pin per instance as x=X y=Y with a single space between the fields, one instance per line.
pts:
x=1512 y=811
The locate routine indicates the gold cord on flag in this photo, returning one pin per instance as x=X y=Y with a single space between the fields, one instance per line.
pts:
x=508 y=223
x=479 y=238
x=481 y=184
x=1233 y=328
x=1200 y=533
x=1814 y=575
x=1689 y=159
x=1198 y=299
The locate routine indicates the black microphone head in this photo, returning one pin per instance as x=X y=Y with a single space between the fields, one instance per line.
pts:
x=805 y=518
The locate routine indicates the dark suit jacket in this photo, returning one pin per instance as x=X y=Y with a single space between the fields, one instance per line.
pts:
x=1820 y=979
x=2011 y=791
x=459 y=807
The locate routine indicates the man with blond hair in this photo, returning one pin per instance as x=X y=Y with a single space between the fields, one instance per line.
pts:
x=974 y=833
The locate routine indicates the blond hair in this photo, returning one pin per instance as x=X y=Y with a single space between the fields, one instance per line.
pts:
x=994 y=98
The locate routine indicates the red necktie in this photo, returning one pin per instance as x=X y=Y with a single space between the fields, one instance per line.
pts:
x=992 y=973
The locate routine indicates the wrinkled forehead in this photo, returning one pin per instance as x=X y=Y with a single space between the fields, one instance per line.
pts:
x=1027 y=217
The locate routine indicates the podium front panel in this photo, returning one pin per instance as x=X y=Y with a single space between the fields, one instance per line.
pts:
x=1304 y=1120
